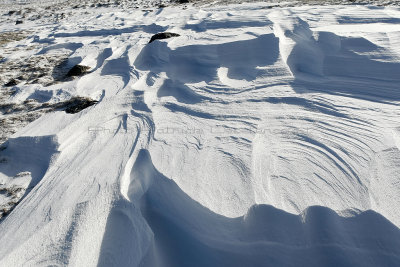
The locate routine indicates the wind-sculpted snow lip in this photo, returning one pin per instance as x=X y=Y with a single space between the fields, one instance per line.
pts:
x=188 y=234
x=261 y=136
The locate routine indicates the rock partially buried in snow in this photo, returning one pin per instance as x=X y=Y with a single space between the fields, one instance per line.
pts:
x=163 y=35
x=76 y=104
x=12 y=82
x=73 y=105
x=77 y=70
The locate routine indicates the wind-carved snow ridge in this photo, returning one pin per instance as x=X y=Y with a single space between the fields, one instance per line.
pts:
x=188 y=234
x=296 y=44
x=321 y=55
x=257 y=137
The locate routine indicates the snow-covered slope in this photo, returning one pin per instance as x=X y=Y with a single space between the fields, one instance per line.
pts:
x=258 y=137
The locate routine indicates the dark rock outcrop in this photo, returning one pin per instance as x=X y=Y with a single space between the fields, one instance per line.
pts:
x=163 y=35
x=77 y=70
x=76 y=104
x=12 y=82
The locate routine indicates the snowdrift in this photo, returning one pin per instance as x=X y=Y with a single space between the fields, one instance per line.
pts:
x=257 y=137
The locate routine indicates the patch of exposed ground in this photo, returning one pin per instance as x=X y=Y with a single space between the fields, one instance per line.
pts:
x=30 y=68
x=44 y=69
x=16 y=115
x=11 y=195
x=8 y=37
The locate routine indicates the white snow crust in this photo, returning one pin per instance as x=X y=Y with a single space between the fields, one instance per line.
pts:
x=258 y=137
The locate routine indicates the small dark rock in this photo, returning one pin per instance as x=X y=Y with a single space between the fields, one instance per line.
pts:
x=11 y=12
x=77 y=70
x=163 y=35
x=162 y=6
x=12 y=82
x=76 y=104
x=18 y=22
x=183 y=1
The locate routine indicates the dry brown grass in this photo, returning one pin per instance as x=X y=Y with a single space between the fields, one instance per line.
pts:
x=8 y=37
x=14 y=194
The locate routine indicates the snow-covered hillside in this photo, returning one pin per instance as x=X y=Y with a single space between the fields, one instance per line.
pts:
x=262 y=135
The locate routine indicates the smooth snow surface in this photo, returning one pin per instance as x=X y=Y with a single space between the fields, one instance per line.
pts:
x=258 y=137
